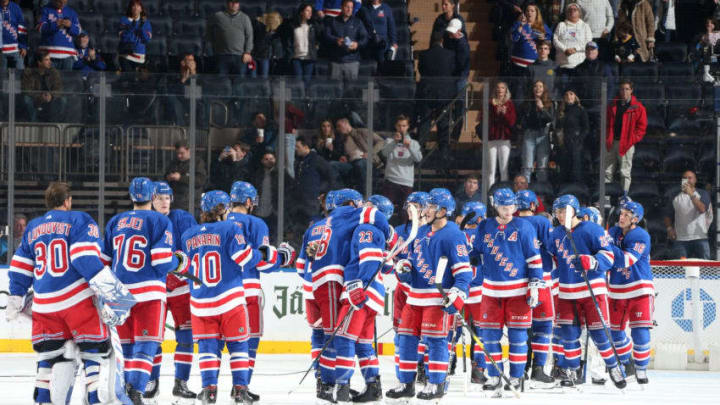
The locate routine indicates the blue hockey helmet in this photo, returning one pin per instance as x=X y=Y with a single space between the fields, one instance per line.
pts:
x=525 y=198
x=420 y=198
x=383 y=204
x=141 y=189
x=162 y=188
x=477 y=207
x=636 y=208
x=504 y=196
x=623 y=199
x=443 y=199
x=213 y=198
x=567 y=200
x=347 y=194
x=330 y=200
x=241 y=191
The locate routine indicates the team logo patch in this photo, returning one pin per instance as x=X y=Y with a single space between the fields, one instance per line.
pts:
x=145 y=332
x=74 y=332
x=241 y=330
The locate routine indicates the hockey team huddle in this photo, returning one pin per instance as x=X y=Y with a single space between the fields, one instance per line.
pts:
x=101 y=301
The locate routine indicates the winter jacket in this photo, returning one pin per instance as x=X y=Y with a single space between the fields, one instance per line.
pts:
x=531 y=118
x=441 y=24
x=86 y=65
x=501 y=125
x=134 y=34
x=333 y=8
x=379 y=21
x=338 y=28
x=287 y=34
x=633 y=128
x=35 y=81
x=571 y=35
x=574 y=122
x=643 y=23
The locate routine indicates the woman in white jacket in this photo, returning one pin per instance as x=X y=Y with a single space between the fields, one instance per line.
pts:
x=570 y=38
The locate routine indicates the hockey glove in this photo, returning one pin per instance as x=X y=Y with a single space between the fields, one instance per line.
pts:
x=13 y=307
x=533 y=292
x=311 y=249
x=453 y=301
x=403 y=266
x=588 y=262
x=268 y=257
x=287 y=254
x=356 y=293
x=183 y=262
x=114 y=299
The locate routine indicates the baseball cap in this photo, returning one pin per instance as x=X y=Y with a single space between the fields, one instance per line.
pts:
x=454 y=26
x=592 y=45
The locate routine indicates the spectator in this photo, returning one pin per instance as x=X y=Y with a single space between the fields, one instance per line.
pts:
x=625 y=48
x=572 y=122
x=470 y=190
x=42 y=87
x=230 y=33
x=380 y=25
x=540 y=30
x=535 y=120
x=525 y=34
x=449 y=12
x=502 y=121
x=666 y=20
x=333 y=8
x=20 y=222
x=551 y=10
x=346 y=35
x=265 y=180
x=570 y=39
x=352 y=166
x=135 y=32
x=177 y=174
x=544 y=68
x=177 y=100
x=401 y=153
x=14 y=36
x=599 y=15
x=301 y=43
x=313 y=176
x=265 y=39
x=88 y=60
x=688 y=220
x=326 y=144
x=260 y=135
x=589 y=75
x=231 y=165
x=705 y=47
x=58 y=25
x=626 y=125
x=457 y=42
x=638 y=14
x=520 y=182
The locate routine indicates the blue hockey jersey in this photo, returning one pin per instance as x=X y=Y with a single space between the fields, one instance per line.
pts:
x=14 y=32
x=542 y=228
x=332 y=8
x=475 y=289
x=403 y=232
x=218 y=256
x=257 y=234
x=367 y=251
x=590 y=239
x=333 y=253
x=511 y=256
x=58 y=41
x=134 y=34
x=181 y=221
x=631 y=275
x=427 y=249
x=59 y=253
x=139 y=247
x=312 y=234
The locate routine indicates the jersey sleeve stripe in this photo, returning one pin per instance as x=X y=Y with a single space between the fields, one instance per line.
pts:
x=22 y=265
x=78 y=250
x=242 y=257
x=371 y=254
x=461 y=268
x=107 y=260
x=269 y=264
x=607 y=255
x=630 y=258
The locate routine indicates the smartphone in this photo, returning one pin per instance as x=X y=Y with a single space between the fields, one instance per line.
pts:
x=227 y=149
x=683 y=182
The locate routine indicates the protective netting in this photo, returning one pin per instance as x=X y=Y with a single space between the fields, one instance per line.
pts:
x=686 y=305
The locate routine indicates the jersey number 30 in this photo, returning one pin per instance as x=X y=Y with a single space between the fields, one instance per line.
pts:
x=52 y=257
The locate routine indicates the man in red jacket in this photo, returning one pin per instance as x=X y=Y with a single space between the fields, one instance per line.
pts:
x=626 y=125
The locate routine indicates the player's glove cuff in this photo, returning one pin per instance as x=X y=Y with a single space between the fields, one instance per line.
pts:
x=13 y=307
x=588 y=262
x=287 y=254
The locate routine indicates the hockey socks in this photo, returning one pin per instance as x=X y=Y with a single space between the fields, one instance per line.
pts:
x=542 y=333
x=316 y=343
x=491 y=340
x=641 y=347
x=239 y=362
x=253 y=344
x=369 y=364
x=518 y=351
x=604 y=347
x=571 y=346
x=438 y=357
x=408 y=358
x=209 y=360
x=344 y=360
x=622 y=344
x=139 y=363
x=558 y=349
x=327 y=362
x=157 y=362
x=478 y=355
x=183 y=354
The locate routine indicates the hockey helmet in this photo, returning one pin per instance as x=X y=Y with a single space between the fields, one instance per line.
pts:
x=443 y=199
x=477 y=207
x=213 y=198
x=330 y=200
x=241 y=191
x=347 y=194
x=141 y=189
x=567 y=200
x=504 y=196
x=383 y=204
x=420 y=198
x=525 y=198
x=162 y=188
x=636 y=208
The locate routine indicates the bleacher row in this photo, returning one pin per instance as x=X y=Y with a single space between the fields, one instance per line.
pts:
x=179 y=27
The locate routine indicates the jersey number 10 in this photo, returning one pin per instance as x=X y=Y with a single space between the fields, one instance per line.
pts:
x=211 y=268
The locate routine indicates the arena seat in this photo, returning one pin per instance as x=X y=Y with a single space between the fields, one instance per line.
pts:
x=641 y=72
x=652 y=96
x=93 y=23
x=184 y=8
x=180 y=45
x=670 y=51
x=162 y=25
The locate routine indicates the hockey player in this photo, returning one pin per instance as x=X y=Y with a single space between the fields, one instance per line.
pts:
x=355 y=336
x=591 y=214
x=427 y=313
x=59 y=257
x=512 y=279
x=472 y=304
x=244 y=198
x=631 y=290
x=178 y=302
x=594 y=256
x=543 y=314
x=219 y=255
x=138 y=245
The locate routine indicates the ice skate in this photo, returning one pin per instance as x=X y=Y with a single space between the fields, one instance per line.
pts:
x=629 y=369
x=540 y=380
x=492 y=384
x=371 y=394
x=208 y=395
x=342 y=394
x=641 y=376
x=253 y=396
x=617 y=377
x=134 y=395
x=431 y=394
x=517 y=383
x=152 y=391
x=477 y=375
x=181 y=394
x=402 y=394
x=598 y=381
x=568 y=378
x=325 y=394
x=240 y=395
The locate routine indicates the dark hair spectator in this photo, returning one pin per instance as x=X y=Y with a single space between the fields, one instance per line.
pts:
x=88 y=60
x=544 y=68
x=401 y=154
x=345 y=36
x=623 y=133
x=449 y=12
x=688 y=218
x=265 y=180
x=230 y=33
x=535 y=121
x=178 y=105
x=58 y=25
x=380 y=25
x=313 y=176
x=352 y=166
x=135 y=32
x=469 y=191
x=233 y=164
x=705 y=48
x=301 y=38
x=177 y=174
x=42 y=87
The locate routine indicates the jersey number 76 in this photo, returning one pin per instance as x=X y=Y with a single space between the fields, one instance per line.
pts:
x=129 y=252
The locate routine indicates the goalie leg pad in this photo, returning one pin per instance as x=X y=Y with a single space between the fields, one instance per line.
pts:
x=42 y=382
x=94 y=356
x=49 y=352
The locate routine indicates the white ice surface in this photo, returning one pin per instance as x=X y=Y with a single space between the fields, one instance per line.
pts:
x=666 y=387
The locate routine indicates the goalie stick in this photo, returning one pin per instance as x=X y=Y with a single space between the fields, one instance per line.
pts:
x=398 y=248
x=439 y=273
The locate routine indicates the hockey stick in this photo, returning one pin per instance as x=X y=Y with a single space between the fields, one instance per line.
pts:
x=116 y=386
x=568 y=229
x=585 y=356
x=467 y=219
x=439 y=273
x=398 y=248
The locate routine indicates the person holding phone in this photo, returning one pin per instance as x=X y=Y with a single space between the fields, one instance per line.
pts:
x=401 y=153
x=688 y=220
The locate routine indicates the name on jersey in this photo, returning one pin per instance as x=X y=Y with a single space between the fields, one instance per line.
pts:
x=203 y=239
x=49 y=228
x=130 y=222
